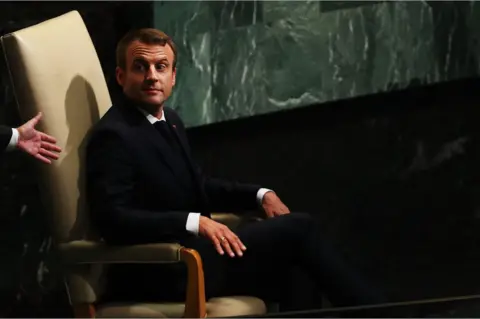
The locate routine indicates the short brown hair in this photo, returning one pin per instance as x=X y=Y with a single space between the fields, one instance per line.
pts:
x=146 y=36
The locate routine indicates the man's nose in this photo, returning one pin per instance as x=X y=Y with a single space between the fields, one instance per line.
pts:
x=151 y=74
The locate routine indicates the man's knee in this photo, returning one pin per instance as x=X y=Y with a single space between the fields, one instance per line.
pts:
x=301 y=219
x=297 y=225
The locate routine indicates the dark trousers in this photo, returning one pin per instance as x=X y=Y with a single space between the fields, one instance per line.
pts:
x=275 y=247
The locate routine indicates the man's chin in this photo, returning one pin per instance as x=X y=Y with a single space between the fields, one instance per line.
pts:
x=152 y=100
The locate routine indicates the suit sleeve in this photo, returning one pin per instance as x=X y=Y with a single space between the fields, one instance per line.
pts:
x=224 y=195
x=110 y=188
x=5 y=135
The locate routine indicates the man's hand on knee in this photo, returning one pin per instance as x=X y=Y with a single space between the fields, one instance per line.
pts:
x=221 y=236
x=273 y=206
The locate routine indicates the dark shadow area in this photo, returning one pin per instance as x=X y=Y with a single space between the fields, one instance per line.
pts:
x=81 y=107
x=392 y=179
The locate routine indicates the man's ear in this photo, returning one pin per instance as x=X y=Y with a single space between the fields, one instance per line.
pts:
x=174 y=76
x=120 y=75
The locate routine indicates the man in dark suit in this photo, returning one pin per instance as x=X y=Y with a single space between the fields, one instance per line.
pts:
x=26 y=138
x=144 y=187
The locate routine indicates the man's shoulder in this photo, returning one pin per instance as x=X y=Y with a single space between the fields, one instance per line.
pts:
x=114 y=118
x=113 y=122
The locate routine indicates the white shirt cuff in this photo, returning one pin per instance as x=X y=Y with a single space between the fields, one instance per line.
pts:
x=13 y=140
x=261 y=192
x=193 y=223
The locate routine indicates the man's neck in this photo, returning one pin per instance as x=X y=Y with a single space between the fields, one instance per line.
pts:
x=156 y=111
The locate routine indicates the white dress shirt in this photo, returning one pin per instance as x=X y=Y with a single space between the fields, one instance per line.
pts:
x=193 y=219
x=13 y=140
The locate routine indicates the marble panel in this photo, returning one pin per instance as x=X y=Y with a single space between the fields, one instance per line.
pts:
x=301 y=52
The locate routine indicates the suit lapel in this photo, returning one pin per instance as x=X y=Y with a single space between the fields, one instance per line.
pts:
x=181 y=142
x=186 y=154
x=165 y=151
x=147 y=132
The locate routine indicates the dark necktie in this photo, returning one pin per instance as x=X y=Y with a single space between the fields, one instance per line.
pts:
x=162 y=127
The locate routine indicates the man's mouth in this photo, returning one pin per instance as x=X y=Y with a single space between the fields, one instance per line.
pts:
x=151 y=90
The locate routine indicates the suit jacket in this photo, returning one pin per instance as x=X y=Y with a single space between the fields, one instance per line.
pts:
x=139 y=190
x=5 y=136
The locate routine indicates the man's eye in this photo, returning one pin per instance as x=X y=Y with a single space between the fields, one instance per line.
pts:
x=161 y=66
x=139 y=67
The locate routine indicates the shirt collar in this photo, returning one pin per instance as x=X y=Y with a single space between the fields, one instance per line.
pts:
x=152 y=119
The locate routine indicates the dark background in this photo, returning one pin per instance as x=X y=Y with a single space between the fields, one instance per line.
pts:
x=391 y=178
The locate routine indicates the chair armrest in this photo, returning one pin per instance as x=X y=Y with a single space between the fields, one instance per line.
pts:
x=90 y=252
x=228 y=219
x=234 y=220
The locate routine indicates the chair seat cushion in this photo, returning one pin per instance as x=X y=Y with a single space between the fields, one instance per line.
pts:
x=216 y=307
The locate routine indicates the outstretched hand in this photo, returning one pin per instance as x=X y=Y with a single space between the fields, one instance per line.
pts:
x=37 y=144
x=273 y=206
x=222 y=237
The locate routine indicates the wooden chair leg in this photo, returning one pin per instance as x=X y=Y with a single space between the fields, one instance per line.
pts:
x=84 y=311
x=195 y=304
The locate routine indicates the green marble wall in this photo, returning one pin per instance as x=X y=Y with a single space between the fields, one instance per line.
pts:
x=238 y=59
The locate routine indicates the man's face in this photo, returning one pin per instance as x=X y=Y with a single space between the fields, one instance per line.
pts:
x=149 y=75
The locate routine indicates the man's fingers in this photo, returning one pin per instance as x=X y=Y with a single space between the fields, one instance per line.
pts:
x=283 y=210
x=43 y=159
x=50 y=147
x=224 y=240
x=47 y=138
x=236 y=246
x=217 y=244
x=226 y=244
x=233 y=242
x=36 y=119
x=49 y=154
x=270 y=213
x=242 y=246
